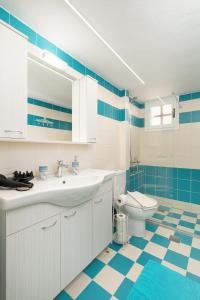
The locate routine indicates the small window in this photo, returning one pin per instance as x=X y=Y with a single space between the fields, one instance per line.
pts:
x=161 y=113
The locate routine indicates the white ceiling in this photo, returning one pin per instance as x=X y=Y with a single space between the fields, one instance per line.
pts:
x=46 y=85
x=158 y=39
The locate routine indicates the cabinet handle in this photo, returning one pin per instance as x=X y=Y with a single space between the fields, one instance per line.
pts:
x=50 y=226
x=98 y=201
x=70 y=215
x=13 y=131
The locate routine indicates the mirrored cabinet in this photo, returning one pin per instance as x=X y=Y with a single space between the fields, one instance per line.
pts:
x=46 y=100
x=13 y=84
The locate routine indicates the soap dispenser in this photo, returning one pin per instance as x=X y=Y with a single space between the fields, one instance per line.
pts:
x=75 y=166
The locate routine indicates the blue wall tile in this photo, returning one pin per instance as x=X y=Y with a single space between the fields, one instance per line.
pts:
x=14 y=22
x=65 y=57
x=4 y=15
x=122 y=93
x=184 y=173
x=100 y=80
x=191 y=96
x=195 y=95
x=185 y=97
x=49 y=105
x=78 y=67
x=196 y=116
x=184 y=188
x=184 y=185
x=185 y=117
x=161 y=171
x=90 y=73
x=183 y=196
x=46 y=45
x=34 y=120
x=195 y=198
x=195 y=186
x=195 y=174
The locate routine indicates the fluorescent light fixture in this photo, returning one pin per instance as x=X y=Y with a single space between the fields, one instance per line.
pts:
x=51 y=59
x=104 y=41
x=49 y=68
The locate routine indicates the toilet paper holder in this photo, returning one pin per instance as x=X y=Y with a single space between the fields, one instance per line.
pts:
x=121 y=224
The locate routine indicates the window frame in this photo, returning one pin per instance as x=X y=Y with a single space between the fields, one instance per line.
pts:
x=156 y=102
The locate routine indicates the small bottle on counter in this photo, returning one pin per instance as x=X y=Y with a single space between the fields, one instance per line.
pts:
x=43 y=170
x=75 y=166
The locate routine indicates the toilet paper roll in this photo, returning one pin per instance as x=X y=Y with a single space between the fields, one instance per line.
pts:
x=121 y=228
x=121 y=201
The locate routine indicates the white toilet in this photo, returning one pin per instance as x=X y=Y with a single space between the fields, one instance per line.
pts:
x=137 y=206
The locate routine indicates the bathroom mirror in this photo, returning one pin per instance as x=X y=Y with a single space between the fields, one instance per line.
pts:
x=49 y=103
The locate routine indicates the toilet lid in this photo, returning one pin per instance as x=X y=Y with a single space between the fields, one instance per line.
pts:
x=138 y=199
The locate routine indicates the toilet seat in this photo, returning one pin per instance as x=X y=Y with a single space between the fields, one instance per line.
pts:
x=139 y=200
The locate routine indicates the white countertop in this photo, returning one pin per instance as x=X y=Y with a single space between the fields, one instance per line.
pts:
x=11 y=199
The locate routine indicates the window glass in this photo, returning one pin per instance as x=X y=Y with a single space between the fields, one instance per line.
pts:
x=159 y=114
x=167 y=120
x=167 y=109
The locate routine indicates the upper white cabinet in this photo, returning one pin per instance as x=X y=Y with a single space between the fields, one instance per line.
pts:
x=84 y=107
x=13 y=84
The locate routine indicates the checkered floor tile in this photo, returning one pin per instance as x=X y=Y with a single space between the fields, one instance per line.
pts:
x=179 y=219
x=113 y=273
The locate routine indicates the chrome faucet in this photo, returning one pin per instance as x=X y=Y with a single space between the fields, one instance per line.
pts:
x=61 y=165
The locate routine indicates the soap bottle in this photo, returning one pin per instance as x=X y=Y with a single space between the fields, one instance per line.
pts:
x=75 y=166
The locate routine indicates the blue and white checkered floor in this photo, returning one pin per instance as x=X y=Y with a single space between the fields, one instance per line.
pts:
x=178 y=219
x=113 y=273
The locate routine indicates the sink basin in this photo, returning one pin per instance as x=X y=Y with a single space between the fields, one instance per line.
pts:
x=67 y=191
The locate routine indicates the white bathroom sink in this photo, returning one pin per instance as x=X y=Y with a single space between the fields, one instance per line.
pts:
x=67 y=191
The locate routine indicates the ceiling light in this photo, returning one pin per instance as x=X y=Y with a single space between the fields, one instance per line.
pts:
x=49 y=68
x=52 y=59
x=103 y=41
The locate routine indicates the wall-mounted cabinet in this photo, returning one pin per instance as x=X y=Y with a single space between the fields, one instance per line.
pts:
x=84 y=110
x=42 y=98
x=13 y=84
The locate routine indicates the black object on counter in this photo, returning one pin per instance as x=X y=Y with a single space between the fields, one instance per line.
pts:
x=20 y=181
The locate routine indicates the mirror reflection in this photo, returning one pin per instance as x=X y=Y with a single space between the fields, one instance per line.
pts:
x=49 y=104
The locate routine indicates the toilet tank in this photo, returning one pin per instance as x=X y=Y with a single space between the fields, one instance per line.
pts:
x=119 y=184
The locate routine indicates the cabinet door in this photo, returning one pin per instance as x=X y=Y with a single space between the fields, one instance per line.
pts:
x=33 y=262
x=76 y=242
x=102 y=222
x=13 y=84
x=84 y=106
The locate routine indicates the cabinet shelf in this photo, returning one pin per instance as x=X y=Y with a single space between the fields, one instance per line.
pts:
x=43 y=142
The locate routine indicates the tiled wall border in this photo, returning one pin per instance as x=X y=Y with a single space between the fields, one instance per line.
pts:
x=33 y=120
x=189 y=117
x=189 y=96
x=48 y=105
x=39 y=41
x=112 y=112
x=103 y=109
x=139 y=105
x=181 y=184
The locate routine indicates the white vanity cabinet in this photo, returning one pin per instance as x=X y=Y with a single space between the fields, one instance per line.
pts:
x=102 y=220
x=33 y=262
x=13 y=83
x=76 y=241
x=43 y=247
